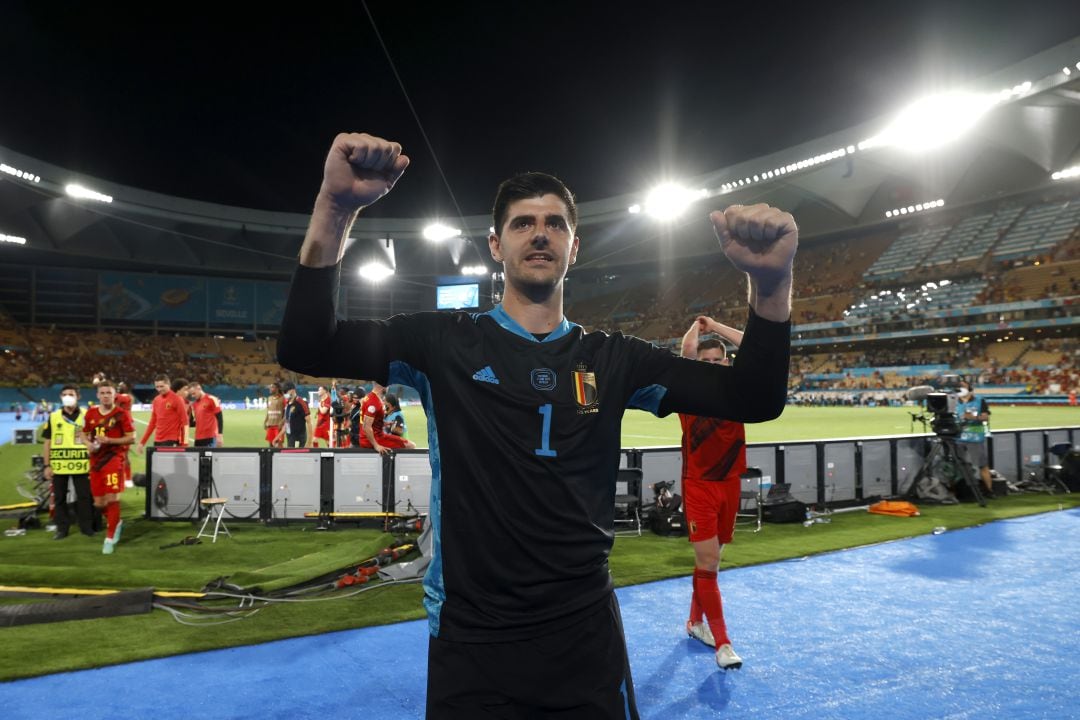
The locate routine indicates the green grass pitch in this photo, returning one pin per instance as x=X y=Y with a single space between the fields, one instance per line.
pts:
x=276 y=556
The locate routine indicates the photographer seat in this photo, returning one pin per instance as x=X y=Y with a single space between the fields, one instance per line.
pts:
x=628 y=501
x=749 y=517
x=1046 y=477
x=215 y=511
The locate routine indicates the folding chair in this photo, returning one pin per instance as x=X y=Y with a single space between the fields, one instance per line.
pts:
x=215 y=511
x=628 y=500
x=749 y=518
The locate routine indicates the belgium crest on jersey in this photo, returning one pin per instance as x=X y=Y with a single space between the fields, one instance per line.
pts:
x=585 y=392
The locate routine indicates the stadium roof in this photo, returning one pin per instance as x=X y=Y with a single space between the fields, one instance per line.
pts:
x=833 y=183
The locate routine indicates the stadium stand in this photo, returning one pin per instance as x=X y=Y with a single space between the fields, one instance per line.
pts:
x=1039 y=230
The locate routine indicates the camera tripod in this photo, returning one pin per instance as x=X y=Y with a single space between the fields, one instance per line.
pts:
x=943 y=455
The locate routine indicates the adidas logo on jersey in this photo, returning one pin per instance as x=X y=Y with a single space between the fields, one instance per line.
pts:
x=486 y=375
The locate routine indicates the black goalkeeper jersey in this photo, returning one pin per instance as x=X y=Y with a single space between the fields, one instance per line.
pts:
x=524 y=441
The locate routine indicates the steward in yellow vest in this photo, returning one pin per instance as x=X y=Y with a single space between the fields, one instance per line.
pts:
x=68 y=460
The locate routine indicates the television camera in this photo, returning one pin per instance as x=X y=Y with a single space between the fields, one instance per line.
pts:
x=942 y=460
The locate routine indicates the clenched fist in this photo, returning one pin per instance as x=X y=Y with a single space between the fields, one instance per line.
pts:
x=759 y=239
x=360 y=169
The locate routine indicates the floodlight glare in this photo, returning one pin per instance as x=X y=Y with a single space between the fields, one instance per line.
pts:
x=1067 y=173
x=12 y=239
x=437 y=232
x=375 y=271
x=474 y=270
x=668 y=201
x=934 y=121
x=84 y=193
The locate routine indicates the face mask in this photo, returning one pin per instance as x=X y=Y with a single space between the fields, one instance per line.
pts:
x=69 y=401
x=963 y=392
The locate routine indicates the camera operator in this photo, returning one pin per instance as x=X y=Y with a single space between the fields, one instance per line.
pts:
x=974 y=413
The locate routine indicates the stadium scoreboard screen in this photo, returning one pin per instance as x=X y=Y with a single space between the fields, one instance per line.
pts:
x=457 y=297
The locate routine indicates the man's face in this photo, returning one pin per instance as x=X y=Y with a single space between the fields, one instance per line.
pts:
x=716 y=356
x=161 y=386
x=106 y=395
x=195 y=391
x=536 y=244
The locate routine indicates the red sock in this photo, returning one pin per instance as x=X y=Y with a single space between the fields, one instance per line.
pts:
x=695 y=606
x=112 y=518
x=707 y=593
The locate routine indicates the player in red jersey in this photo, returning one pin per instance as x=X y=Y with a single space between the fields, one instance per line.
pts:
x=108 y=433
x=275 y=415
x=322 y=421
x=714 y=456
x=123 y=401
x=168 y=417
x=372 y=434
x=123 y=396
x=209 y=423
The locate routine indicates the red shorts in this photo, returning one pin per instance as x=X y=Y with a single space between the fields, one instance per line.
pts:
x=271 y=434
x=109 y=479
x=391 y=441
x=322 y=432
x=710 y=507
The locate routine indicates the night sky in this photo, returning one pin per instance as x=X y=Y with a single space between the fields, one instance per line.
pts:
x=240 y=108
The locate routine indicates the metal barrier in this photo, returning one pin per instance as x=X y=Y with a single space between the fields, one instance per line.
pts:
x=294 y=484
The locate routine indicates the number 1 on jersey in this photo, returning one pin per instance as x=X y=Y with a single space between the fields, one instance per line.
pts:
x=545 y=435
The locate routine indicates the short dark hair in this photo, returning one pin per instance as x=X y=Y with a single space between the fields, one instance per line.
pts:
x=161 y=378
x=531 y=185
x=178 y=383
x=710 y=344
x=392 y=401
x=70 y=387
x=123 y=387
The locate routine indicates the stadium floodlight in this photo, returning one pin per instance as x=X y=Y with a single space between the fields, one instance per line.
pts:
x=21 y=174
x=1066 y=70
x=634 y=209
x=934 y=121
x=1067 y=174
x=912 y=209
x=437 y=232
x=85 y=193
x=375 y=271
x=12 y=239
x=480 y=270
x=669 y=200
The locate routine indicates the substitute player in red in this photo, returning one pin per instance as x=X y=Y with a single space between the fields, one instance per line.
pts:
x=123 y=401
x=108 y=432
x=714 y=456
x=168 y=417
x=209 y=423
x=322 y=418
x=373 y=433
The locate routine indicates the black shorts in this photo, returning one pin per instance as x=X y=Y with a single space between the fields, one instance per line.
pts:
x=205 y=442
x=167 y=443
x=579 y=672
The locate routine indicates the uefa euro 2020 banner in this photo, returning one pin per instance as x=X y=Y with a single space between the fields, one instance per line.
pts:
x=139 y=296
x=191 y=300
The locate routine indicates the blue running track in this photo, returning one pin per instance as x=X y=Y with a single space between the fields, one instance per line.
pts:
x=977 y=623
